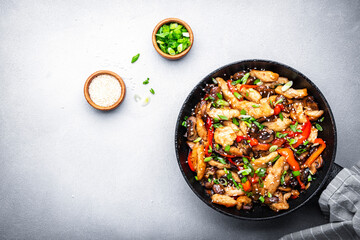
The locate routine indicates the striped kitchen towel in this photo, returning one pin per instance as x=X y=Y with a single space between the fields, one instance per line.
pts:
x=341 y=202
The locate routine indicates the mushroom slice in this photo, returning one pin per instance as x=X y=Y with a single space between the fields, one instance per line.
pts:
x=218 y=165
x=242 y=200
x=224 y=136
x=272 y=180
x=298 y=112
x=316 y=165
x=292 y=93
x=223 y=200
x=261 y=162
x=249 y=93
x=191 y=128
x=265 y=76
x=278 y=125
x=233 y=191
x=314 y=114
x=313 y=135
x=282 y=204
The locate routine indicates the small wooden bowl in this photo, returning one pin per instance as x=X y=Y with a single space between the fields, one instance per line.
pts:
x=165 y=55
x=87 y=95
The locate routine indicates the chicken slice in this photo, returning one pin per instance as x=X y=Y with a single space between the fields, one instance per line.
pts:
x=201 y=165
x=298 y=113
x=228 y=95
x=313 y=135
x=218 y=165
x=282 y=80
x=223 y=200
x=201 y=129
x=234 y=127
x=224 y=136
x=249 y=93
x=278 y=125
x=292 y=93
x=242 y=200
x=227 y=112
x=282 y=204
x=314 y=114
x=262 y=162
x=255 y=110
x=265 y=76
x=233 y=191
x=244 y=128
x=272 y=180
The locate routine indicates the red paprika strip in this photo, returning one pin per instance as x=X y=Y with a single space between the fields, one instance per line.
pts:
x=304 y=135
x=317 y=153
x=231 y=161
x=294 y=165
x=246 y=186
x=190 y=162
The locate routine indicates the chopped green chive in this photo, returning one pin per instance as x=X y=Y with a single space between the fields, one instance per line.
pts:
x=257 y=81
x=227 y=148
x=273 y=148
x=243 y=180
x=223 y=117
x=210 y=149
x=135 y=58
x=261 y=172
x=256 y=106
x=292 y=141
x=321 y=119
x=235 y=121
x=237 y=95
x=261 y=198
x=281 y=135
x=214 y=80
x=287 y=86
x=278 y=101
x=207 y=159
x=217 y=125
x=221 y=160
x=221 y=102
x=281 y=116
x=318 y=127
x=269 y=195
x=305 y=142
x=197 y=140
x=152 y=91
x=276 y=158
x=219 y=95
x=196 y=178
x=296 y=173
x=300 y=151
x=293 y=127
x=243 y=112
x=173 y=38
x=146 y=81
x=309 y=178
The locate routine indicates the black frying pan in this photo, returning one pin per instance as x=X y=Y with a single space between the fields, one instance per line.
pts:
x=327 y=172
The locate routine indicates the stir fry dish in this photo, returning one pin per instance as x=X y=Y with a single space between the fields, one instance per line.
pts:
x=253 y=139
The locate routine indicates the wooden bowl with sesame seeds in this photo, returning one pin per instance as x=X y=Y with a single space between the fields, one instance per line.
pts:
x=88 y=95
x=168 y=21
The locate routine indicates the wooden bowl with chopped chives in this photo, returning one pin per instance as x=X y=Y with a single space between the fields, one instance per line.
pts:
x=172 y=38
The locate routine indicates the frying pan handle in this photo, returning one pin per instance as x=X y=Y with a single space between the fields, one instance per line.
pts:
x=335 y=169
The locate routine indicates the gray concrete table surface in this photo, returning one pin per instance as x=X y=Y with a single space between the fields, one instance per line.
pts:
x=68 y=171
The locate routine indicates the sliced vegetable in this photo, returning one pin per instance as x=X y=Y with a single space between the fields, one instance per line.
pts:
x=135 y=58
x=287 y=86
x=304 y=135
x=294 y=165
x=190 y=162
x=317 y=153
